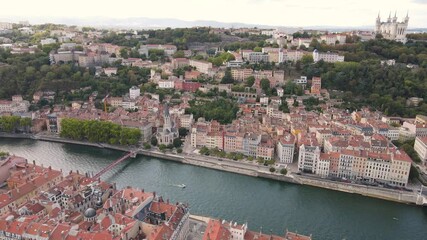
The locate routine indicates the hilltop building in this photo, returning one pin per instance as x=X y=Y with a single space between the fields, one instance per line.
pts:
x=392 y=29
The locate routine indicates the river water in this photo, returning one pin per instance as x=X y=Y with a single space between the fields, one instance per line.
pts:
x=265 y=204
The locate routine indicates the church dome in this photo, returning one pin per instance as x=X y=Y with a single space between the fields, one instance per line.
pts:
x=90 y=213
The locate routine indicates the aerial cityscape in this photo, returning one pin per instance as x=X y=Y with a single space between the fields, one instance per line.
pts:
x=287 y=124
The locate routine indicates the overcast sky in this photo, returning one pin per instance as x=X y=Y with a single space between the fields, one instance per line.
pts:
x=265 y=12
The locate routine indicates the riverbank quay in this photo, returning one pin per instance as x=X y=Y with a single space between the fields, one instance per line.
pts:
x=248 y=169
x=405 y=197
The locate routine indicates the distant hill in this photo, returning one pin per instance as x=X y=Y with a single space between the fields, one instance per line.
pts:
x=155 y=23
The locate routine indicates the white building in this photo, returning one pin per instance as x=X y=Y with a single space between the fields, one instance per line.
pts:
x=255 y=57
x=268 y=32
x=302 y=80
x=166 y=84
x=264 y=100
x=392 y=29
x=323 y=167
x=286 y=148
x=420 y=147
x=134 y=92
x=308 y=158
x=393 y=134
x=110 y=71
x=6 y=25
x=47 y=41
x=234 y=64
x=327 y=57
x=129 y=104
x=168 y=49
x=280 y=92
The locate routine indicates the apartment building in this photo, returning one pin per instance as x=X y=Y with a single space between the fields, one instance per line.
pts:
x=327 y=57
x=201 y=66
x=390 y=167
x=285 y=148
x=308 y=158
x=291 y=55
x=420 y=147
x=241 y=74
x=256 y=57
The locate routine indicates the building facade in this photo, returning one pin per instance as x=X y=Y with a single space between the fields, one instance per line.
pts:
x=392 y=29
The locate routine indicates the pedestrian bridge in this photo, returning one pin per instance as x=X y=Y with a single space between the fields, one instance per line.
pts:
x=131 y=154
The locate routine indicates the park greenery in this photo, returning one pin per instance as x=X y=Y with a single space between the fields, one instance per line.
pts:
x=221 y=58
x=13 y=124
x=99 y=131
x=236 y=156
x=120 y=39
x=220 y=109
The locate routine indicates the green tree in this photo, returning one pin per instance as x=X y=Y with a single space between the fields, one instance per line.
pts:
x=179 y=54
x=272 y=169
x=295 y=104
x=177 y=142
x=183 y=132
x=204 y=150
x=124 y=53
x=228 y=78
x=307 y=59
x=265 y=85
x=10 y=123
x=154 y=141
x=99 y=131
x=147 y=146
x=283 y=171
x=162 y=147
x=250 y=81
x=220 y=109
x=3 y=154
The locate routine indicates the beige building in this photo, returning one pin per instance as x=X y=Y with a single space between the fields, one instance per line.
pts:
x=201 y=66
x=241 y=74
x=420 y=147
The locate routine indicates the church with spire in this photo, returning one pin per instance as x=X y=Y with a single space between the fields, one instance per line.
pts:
x=168 y=132
x=392 y=29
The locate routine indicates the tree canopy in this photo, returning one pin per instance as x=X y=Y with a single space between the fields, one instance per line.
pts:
x=99 y=131
x=222 y=110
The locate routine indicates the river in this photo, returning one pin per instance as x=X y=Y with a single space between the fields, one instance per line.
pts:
x=267 y=204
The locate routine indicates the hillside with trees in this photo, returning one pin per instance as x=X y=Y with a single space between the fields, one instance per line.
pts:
x=27 y=73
